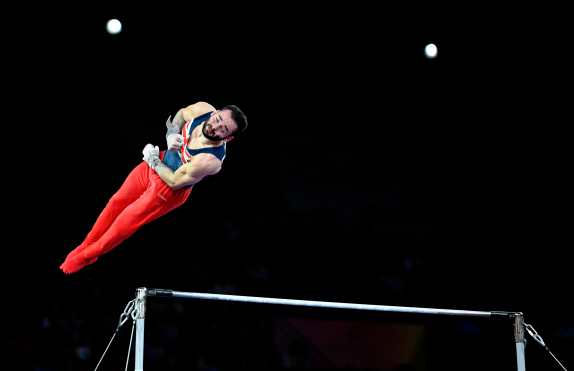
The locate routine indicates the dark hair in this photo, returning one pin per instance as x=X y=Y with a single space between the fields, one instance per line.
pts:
x=239 y=117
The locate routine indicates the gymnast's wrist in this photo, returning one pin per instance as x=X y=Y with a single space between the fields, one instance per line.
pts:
x=156 y=164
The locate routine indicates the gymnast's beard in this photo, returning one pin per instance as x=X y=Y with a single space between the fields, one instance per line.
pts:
x=209 y=134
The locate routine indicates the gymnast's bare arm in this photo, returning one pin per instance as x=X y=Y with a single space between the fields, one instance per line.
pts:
x=196 y=169
x=187 y=114
x=197 y=109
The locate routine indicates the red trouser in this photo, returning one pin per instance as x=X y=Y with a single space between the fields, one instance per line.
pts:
x=142 y=198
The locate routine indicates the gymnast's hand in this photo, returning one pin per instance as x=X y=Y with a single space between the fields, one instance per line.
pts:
x=170 y=124
x=151 y=155
x=174 y=141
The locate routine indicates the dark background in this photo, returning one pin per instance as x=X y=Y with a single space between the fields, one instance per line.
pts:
x=369 y=174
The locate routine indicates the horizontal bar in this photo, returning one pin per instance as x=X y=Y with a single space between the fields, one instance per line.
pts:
x=323 y=304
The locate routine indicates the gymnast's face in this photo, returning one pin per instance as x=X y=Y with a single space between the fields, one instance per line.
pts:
x=219 y=126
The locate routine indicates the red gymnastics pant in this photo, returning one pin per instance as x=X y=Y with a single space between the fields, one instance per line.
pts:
x=142 y=198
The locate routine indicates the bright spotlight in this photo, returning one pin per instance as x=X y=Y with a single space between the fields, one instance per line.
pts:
x=431 y=50
x=114 y=26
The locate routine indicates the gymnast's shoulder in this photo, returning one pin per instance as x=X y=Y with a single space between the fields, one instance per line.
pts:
x=196 y=109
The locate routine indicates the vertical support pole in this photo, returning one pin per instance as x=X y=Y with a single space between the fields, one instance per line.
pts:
x=520 y=342
x=140 y=307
